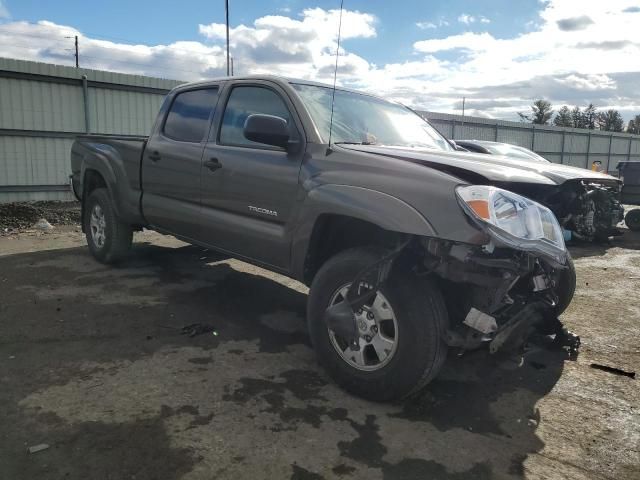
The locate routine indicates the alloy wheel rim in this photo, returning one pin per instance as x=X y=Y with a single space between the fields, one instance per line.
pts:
x=377 y=332
x=98 y=226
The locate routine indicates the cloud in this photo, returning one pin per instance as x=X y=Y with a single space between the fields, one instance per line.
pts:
x=606 y=45
x=634 y=9
x=574 y=23
x=498 y=75
x=4 y=11
x=469 y=19
x=426 y=25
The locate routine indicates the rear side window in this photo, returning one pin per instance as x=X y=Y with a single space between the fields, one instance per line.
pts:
x=188 y=117
x=245 y=101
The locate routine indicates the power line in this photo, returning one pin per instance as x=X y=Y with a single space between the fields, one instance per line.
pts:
x=128 y=42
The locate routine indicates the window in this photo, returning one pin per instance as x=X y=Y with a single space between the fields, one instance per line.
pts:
x=360 y=118
x=245 y=101
x=188 y=117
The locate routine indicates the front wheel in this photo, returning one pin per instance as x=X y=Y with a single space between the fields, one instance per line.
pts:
x=632 y=219
x=401 y=329
x=108 y=238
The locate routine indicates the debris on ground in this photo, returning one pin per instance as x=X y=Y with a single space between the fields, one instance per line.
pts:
x=37 y=448
x=42 y=224
x=614 y=370
x=19 y=216
x=198 y=329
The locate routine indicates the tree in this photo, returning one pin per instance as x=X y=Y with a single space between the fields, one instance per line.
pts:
x=541 y=113
x=590 y=117
x=610 y=121
x=563 y=117
x=577 y=118
x=634 y=125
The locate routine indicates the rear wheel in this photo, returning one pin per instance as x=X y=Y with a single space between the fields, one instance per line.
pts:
x=632 y=219
x=400 y=329
x=108 y=238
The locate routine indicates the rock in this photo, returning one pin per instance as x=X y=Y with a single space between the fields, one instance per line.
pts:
x=37 y=448
x=42 y=224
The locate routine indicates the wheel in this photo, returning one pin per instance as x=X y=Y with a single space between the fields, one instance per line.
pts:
x=566 y=286
x=108 y=238
x=632 y=219
x=401 y=329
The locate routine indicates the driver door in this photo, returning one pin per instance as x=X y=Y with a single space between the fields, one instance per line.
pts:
x=249 y=189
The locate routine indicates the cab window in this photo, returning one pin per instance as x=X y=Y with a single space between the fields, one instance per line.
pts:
x=245 y=101
x=188 y=118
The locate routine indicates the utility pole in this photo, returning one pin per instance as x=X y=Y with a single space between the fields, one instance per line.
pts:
x=76 y=54
x=232 y=66
x=226 y=11
x=463 y=100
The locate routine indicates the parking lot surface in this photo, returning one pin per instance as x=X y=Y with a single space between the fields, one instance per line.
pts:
x=93 y=364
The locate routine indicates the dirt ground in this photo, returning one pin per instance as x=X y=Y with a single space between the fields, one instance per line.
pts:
x=93 y=364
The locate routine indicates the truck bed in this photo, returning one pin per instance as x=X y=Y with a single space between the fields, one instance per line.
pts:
x=122 y=154
x=128 y=148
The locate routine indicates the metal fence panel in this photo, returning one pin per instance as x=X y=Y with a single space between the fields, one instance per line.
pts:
x=600 y=144
x=521 y=136
x=122 y=113
x=42 y=107
x=30 y=105
x=34 y=160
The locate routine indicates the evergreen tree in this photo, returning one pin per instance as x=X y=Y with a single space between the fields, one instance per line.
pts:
x=610 y=121
x=541 y=113
x=563 y=117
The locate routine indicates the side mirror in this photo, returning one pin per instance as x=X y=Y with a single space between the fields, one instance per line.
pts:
x=267 y=129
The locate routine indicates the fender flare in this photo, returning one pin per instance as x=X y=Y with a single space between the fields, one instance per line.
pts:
x=381 y=209
x=107 y=162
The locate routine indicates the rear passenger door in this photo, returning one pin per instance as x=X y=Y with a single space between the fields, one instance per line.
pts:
x=171 y=163
x=249 y=189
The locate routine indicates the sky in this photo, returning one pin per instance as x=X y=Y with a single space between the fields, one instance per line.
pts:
x=498 y=54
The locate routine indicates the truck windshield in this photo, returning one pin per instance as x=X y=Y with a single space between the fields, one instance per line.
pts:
x=367 y=120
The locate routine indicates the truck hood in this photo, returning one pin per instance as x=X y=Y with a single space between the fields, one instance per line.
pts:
x=494 y=168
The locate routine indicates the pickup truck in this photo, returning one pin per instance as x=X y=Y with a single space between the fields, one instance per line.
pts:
x=409 y=247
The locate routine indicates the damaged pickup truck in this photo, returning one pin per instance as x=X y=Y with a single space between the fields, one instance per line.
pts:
x=586 y=203
x=409 y=247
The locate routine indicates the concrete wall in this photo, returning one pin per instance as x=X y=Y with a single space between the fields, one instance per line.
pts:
x=43 y=107
x=570 y=146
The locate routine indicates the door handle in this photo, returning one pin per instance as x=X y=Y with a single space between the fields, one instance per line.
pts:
x=213 y=164
x=154 y=156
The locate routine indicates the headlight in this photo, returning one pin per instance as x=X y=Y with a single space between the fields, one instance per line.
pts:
x=513 y=220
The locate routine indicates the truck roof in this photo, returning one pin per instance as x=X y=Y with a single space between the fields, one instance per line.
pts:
x=274 y=78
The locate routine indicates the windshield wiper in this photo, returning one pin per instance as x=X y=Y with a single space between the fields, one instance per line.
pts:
x=354 y=143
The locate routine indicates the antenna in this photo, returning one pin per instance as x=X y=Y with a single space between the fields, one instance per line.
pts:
x=335 y=74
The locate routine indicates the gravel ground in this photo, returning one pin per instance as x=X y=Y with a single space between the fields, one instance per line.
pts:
x=21 y=216
x=92 y=363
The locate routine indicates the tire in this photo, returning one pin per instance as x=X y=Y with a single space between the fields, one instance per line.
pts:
x=419 y=311
x=111 y=241
x=632 y=220
x=566 y=287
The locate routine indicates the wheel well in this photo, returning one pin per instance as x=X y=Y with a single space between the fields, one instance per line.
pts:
x=92 y=180
x=335 y=233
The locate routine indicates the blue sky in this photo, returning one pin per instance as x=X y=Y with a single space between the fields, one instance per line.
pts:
x=121 y=20
x=499 y=54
